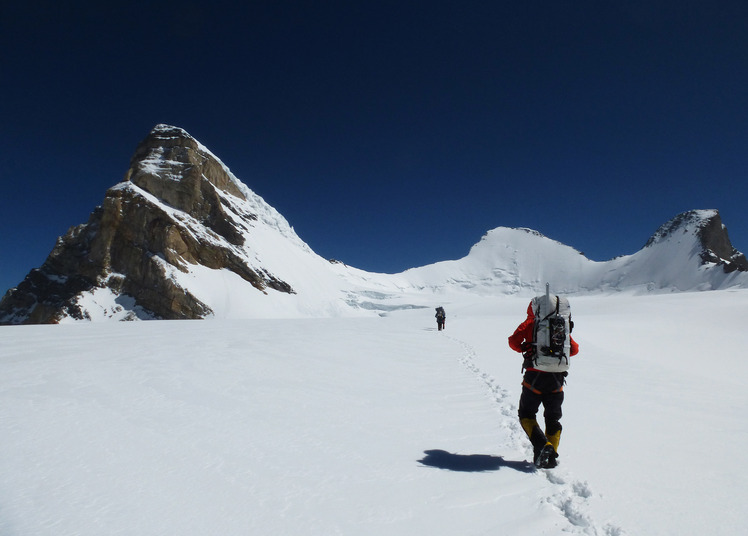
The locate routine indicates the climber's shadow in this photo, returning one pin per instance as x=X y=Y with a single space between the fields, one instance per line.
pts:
x=442 y=459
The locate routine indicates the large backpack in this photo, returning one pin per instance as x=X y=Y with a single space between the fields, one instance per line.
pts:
x=552 y=333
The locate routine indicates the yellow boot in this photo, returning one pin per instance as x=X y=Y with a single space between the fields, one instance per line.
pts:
x=528 y=425
x=537 y=438
x=554 y=439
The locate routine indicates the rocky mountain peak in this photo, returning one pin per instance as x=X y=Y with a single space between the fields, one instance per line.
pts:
x=707 y=227
x=178 y=207
x=175 y=168
x=684 y=223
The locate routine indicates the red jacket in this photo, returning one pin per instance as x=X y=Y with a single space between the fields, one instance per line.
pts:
x=524 y=333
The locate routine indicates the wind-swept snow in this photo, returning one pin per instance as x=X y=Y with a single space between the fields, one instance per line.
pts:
x=375 y=425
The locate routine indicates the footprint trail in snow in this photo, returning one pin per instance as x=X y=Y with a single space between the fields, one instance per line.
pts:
x=569 y=497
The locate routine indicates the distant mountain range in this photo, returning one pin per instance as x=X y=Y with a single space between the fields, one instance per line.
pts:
x=182 y=238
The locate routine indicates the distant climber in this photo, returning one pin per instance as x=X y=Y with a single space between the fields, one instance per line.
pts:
x=544 y=339
x=441 y=318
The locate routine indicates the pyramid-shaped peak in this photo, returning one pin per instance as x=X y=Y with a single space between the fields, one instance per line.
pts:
x=169 y=155
x=689 y=222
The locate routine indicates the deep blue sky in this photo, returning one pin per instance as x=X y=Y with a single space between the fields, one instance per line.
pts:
x=391 y=134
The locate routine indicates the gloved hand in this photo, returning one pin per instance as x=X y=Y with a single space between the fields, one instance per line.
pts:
x=528 y=353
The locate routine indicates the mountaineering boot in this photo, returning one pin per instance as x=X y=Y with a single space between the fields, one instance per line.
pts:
x=554 y=439
x=546 y=459
x=528 y=425
x=537 y=437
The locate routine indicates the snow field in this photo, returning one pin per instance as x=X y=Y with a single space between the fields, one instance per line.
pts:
x=296 y=427
x=653 y=419
x=374 y=425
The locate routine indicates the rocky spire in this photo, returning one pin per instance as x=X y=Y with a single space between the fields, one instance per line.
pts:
x=178 y=206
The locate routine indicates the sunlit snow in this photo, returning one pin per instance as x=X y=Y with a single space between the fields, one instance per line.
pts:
x=377 y=425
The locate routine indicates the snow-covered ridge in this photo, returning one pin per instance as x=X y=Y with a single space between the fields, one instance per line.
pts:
x=510 y=261
x=187 y=239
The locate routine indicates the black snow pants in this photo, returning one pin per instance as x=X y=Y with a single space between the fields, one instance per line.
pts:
x=543 y=388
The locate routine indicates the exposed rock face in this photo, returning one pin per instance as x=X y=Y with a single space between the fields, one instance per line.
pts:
x=718 y=248
x=715 y=244
x=178 y=206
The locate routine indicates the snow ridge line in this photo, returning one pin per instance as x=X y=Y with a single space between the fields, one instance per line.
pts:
x=572 y=497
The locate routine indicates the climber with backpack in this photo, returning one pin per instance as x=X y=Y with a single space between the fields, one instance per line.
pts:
x=441 y=318
x=544 y=339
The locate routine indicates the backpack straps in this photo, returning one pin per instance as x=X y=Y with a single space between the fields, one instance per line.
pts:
x=558 y=302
